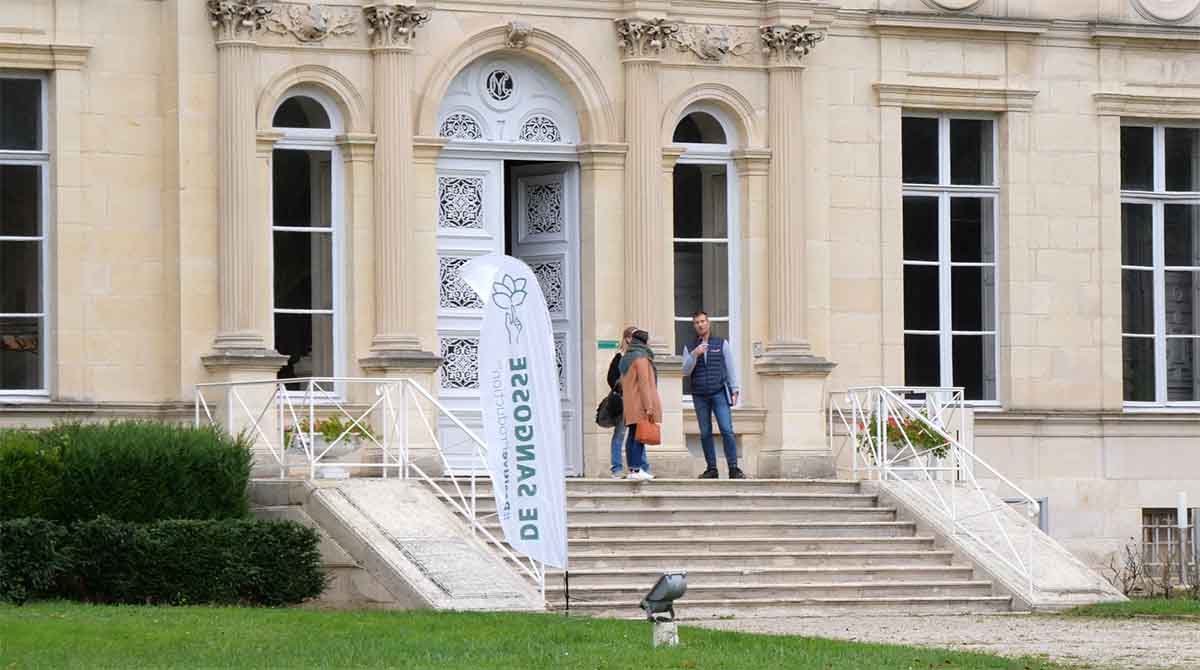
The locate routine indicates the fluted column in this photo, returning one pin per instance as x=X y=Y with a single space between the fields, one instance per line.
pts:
x=786 y=47
x=642 y=41
x=392 y=27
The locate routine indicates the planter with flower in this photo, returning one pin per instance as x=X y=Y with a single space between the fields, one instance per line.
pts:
x=899 y=433
x=345 y=436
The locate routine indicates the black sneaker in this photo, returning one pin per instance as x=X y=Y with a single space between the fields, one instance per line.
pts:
x=736 y=473
x=710 y=473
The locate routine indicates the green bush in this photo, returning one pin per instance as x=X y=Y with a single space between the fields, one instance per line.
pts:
x=33 y=555
x=128 y=470
x=235 y=561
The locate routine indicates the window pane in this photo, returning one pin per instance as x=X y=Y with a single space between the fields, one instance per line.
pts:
x=919 y=150
x=700 y=208
x=300 y=111
x=972 y=231
x=303 y=270
x=1137 y=301
x=1181 y=369
x=21 y=114
x=1180 y=294
x=21 y=277
x=971 y=152
x=920 y=228
x=975 y=366
x=699 y=128
x=702 y=278
x=20 y=200
x=1137 y=358
x=1137 y=234
x=21 y=353
x=922 y=361
x=302 y=189
x=921 y=297
x=1181 y=155
x=1137 y=158
x=1181 y=234
x=972 y=298
x=307 y=341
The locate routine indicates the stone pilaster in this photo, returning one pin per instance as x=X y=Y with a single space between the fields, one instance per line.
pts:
x=647 y=234
x=242 y=244
x=395 y=345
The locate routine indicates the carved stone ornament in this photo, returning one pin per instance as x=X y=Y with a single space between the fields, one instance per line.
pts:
x=1167 y=11
x=644 y=38
x=953 y=5
x=393 y=25
x=712 y=43
x=310 y=24
x=788 y=44
x=518 y=34
x=232 y=19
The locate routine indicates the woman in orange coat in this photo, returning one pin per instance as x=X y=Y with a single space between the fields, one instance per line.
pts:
x=639 y=385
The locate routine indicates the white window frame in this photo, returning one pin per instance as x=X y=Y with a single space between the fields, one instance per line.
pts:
x=42 y=159
x=323 y=140
x=718 y=154
x=944 y=190
x=1157 y=199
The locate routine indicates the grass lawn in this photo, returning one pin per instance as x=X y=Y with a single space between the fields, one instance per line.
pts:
x=68 y=635
x=1161 y=607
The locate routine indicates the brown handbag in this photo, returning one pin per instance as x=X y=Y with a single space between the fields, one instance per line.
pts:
x=647 y=432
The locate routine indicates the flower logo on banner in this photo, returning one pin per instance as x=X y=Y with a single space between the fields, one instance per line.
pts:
x=508 y=294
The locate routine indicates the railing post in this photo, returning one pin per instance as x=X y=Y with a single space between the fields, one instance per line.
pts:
x=279 y=391
x=312 y=433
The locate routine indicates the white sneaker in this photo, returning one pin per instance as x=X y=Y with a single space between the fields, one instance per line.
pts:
x=618 y=475
x=640 y=475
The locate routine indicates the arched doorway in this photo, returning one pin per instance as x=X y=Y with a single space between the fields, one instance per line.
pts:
x=507 y=181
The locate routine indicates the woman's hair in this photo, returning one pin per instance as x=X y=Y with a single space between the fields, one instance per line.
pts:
x=641 y=336
x=625 y=335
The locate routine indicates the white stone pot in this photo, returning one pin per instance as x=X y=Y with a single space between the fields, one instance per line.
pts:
x=327 y=469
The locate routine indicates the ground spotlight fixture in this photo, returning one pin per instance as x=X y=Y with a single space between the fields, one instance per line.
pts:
x=660 y=601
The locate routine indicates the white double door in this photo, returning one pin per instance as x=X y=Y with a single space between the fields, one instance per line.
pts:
x=542 y=205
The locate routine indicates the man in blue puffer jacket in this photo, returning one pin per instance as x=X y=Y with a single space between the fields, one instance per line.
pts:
x=709 y=363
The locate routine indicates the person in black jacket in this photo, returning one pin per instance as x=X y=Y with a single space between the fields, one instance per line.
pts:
x=614 y=383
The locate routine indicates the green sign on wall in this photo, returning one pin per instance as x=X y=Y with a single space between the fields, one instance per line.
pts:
x=606 y=344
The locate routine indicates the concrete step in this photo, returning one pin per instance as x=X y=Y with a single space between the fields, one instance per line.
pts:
x=691 y=609
x=728 y=515
x=627 y=560
x=584 y=547
x=647 y=574
x=699 y=500
x=634 y=591
x=655 y=487
x=332 y=554
x=707 y=530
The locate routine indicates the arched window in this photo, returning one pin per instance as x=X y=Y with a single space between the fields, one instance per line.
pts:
x=305 y=224
x=699 y=128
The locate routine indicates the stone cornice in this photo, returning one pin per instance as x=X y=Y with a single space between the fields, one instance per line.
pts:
x=356 y=146
x=610 y=157
x=1146 y=36
x=401 y=360
x=21 y=56
x=906 y=24
x=946 y=97
x=670 y=156
x=1150 y=106
x=793 y=365
x=427 y=149
x=393 y=25
x=752 y=162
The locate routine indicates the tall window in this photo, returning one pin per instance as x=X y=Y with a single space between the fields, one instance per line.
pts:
x=1160 y=263
x=950 y=199
x=24 y=179
x=702 y=193
x=304 y=230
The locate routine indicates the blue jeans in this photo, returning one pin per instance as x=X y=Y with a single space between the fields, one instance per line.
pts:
x=635 y=452
x=618 y=442
x=706 y=407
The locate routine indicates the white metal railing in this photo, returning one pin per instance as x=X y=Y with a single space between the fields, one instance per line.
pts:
x=282 y=418
x=913 y=435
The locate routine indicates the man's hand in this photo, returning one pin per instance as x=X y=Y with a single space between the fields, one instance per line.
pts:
x=700 y=349
x=735 y=397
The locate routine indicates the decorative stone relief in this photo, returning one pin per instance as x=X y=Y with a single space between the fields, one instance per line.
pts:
x=953 y=5
x=518 y=34
x=233 y=19
x=453 y=292
x=543 y=208
x=644 y=38
x=550 y=277
x=393 y=25
x=460 y=363
x=460 y=202
x=788 y=44
x=1167 y=11
x=310 y=24
x=560 y=359
x=500 y=85
x=540 y=128
x=460 y=126
x=713 y=43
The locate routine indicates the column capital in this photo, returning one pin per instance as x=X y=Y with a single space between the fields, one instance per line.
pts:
x=670 y=156
x=427 y=149
x=236 y=20
x=356 y=146
x=602 y=156
x=644 y=39
x=788 y=45
x=392 y=26
x=264 y=142
x=752 y=162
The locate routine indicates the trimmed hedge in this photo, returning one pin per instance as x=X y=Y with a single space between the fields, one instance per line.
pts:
x=231 y=562
x=128 y=470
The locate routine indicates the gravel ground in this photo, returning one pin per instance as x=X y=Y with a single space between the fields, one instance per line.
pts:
x=1126 y=644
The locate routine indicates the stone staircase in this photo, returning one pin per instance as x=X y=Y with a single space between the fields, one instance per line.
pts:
x=753 y=548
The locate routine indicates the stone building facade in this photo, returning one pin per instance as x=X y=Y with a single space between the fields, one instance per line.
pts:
x=197 y=191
